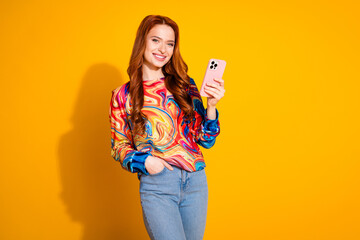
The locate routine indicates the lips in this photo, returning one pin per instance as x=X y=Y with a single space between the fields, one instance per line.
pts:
x=159 y=56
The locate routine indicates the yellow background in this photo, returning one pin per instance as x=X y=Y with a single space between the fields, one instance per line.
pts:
x=285 y=166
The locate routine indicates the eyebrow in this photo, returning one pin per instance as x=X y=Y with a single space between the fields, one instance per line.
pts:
x=161 y=38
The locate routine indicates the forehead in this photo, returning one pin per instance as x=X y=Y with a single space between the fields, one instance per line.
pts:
x=163 y=31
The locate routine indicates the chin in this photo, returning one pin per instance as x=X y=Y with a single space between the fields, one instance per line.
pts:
x=160 y=65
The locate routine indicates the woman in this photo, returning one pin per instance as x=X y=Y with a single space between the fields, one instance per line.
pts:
x=157 y=121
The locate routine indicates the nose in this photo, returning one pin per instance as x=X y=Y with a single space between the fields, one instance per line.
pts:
x=162 y=48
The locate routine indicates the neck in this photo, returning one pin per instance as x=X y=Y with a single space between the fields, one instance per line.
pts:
x=151 y=73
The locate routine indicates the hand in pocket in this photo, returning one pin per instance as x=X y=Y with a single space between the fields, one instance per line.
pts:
x=155 y=165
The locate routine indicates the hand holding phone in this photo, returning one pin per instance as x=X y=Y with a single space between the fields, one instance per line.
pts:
x=215 y=69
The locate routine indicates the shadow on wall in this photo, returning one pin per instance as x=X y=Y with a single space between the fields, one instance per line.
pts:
x=97 y=192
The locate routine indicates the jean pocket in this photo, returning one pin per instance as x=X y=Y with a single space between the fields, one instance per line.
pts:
x=159 y=173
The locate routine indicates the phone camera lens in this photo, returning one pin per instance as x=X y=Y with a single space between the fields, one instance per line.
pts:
x=211 y=67
x=215 y=65
x=212 y=62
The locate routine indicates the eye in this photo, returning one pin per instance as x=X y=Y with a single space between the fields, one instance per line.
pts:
x=171 y=44
x=155 y=39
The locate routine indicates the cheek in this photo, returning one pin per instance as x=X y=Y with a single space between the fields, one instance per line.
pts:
x=150 y=46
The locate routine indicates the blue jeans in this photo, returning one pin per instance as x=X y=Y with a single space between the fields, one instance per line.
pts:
x=174 y=204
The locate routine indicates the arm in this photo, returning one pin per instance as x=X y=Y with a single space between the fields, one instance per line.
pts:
x=122 y=148
x=206 y=129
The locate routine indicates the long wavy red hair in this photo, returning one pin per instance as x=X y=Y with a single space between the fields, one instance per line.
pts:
x=175 y=70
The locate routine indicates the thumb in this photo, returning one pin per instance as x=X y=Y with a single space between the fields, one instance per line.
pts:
x=167 y=165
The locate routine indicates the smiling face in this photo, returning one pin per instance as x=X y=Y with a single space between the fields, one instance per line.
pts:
x=160 y=43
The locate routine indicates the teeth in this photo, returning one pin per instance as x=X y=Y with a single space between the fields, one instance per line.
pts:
x=159 y=56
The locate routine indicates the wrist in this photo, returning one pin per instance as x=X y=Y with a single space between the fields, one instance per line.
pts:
x=211 y=113
x=211 y=107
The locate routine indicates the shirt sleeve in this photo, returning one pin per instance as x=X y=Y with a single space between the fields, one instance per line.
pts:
x=122 y=147
x=206 y=130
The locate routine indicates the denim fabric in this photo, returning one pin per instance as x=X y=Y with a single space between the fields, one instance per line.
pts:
x=174 y=204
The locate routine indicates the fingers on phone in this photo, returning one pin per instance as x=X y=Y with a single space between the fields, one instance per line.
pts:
x=213 y=87
x=209 y=92
x=219 y=81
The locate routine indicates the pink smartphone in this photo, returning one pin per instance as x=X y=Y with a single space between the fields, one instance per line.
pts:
x=215 y=69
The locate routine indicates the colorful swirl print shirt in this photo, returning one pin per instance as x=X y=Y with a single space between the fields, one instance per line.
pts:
x=168 y=135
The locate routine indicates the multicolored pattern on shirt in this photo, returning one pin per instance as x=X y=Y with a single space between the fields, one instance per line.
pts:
x=168 y=135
